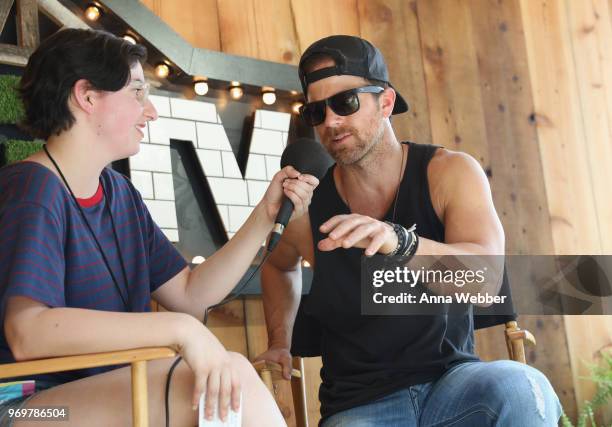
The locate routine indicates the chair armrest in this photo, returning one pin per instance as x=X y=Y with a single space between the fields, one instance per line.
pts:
x=69 y=363
x=522 y=334
x=275 y=368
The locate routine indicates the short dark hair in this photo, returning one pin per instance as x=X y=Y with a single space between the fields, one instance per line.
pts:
x=67 y=56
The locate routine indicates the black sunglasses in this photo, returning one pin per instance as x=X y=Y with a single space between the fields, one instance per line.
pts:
x=343 y=103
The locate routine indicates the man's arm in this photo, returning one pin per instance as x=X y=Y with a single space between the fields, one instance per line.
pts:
x=281 y=283
x=471 y=224
x=462 y=198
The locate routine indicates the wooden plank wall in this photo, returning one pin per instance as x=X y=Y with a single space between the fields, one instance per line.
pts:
x=525 y=86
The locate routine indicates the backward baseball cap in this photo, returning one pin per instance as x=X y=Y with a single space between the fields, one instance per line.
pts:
x=352 y=56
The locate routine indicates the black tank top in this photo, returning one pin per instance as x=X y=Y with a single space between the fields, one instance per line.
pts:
x=367 y=357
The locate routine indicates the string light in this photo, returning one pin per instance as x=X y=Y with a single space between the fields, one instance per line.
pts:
x=162 y=70
x=268 y=95
x=236 y=90
x=200 y=87
x=129 y=38
x=296 y=107
x=92 y=13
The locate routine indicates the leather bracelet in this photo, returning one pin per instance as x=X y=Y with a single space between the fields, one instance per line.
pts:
x=402 y=239
x=413 y=242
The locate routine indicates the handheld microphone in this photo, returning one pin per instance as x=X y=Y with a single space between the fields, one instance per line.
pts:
x=307 y=156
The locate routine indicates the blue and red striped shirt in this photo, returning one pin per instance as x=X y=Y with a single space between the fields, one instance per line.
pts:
x=47 y=253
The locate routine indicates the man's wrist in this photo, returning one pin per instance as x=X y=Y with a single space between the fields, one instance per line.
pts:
x=390 y=244
x=407 y=240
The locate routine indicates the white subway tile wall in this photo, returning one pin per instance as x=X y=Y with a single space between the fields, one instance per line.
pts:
x=256 y=167
x=152 y=158
x=272 y=166
x=199 y=122
x=256 y=190
x=237 y=216
x=163 y=186
x=143 y=181
x=163 y=212
x=161 y=104
x=162 y=129
x=193 y=110
x=211 y=162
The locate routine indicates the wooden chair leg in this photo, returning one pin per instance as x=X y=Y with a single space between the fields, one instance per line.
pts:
x=140 y=409
x=298 y=389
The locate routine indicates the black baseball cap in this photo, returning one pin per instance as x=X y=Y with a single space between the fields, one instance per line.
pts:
x=352 y=56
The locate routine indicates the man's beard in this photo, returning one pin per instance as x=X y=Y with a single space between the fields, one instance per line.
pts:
x=346 y=154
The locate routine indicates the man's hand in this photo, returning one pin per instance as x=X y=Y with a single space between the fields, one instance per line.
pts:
x=360 y=231
x=281 y=356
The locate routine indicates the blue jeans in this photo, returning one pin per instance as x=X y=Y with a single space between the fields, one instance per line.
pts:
x=471 y=394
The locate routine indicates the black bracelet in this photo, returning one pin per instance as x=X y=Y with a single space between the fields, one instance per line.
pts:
x=402 y=238
x=412 y=242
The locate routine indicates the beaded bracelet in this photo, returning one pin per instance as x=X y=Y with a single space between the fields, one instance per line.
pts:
x=407 y=240
x=402 y=238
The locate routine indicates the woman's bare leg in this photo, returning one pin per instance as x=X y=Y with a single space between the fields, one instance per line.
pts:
x=105 y=400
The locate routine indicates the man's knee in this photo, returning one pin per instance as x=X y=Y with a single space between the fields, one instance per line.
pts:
x=520 y=389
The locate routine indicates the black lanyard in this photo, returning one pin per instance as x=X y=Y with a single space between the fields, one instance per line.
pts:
x=125 y=299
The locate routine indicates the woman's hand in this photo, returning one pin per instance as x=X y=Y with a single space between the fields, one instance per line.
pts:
x=213 y=371
x=297 y=187
x=360 y=231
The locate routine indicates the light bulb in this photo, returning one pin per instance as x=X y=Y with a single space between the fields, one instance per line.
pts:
x=200 y=87
x=236 y=92
x=268 y=97
x=162 y=70
x=296 y=107
x=92 y=13
x=129 y=38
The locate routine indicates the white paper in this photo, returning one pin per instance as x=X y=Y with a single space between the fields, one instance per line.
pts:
x=233 y=419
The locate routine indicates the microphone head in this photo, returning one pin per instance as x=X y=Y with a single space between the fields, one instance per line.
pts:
x=307 y=156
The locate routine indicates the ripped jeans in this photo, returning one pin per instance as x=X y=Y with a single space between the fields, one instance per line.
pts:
x=472 y=394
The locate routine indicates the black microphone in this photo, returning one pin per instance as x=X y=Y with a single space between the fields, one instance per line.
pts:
x=307 y=156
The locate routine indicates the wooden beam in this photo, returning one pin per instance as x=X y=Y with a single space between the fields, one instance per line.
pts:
x=5 y=9
x=61 y=15
x=27 y=23
x=14 y=55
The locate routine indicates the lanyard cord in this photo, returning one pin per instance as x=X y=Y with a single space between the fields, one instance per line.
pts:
x=126 y=301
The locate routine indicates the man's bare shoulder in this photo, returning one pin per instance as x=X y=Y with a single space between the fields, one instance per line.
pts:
x=447 y=170
x=451 y=166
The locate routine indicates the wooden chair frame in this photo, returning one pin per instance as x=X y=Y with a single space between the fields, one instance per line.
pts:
x=136 y=357
x=270 y=373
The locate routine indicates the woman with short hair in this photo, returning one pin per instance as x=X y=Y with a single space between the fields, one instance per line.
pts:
x=81 y=257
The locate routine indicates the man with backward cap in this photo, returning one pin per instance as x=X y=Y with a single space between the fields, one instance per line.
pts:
x=390 y=198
